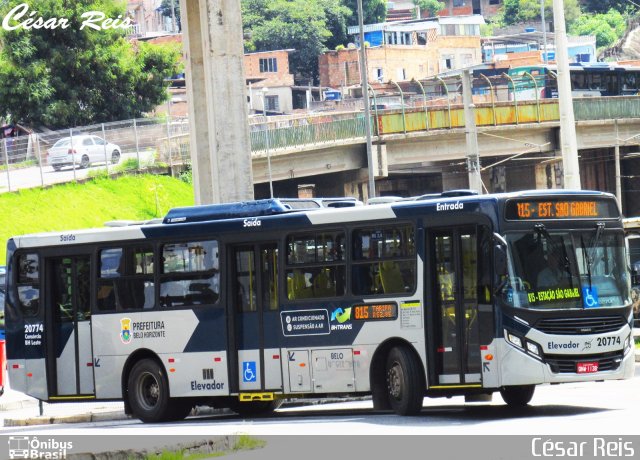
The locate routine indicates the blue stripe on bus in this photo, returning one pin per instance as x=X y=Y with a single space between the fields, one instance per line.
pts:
x=210 y=333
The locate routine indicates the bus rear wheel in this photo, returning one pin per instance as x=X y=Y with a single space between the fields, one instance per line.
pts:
x=517 y=396
x=405 y=383
x=148 y=393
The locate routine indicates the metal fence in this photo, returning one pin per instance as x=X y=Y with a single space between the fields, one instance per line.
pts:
x=143 y=142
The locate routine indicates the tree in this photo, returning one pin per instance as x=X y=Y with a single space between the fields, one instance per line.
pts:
x=432 y=6
x=516 y=11
x=373 y=11
x=602 y=6
x=170 y=9
x=607 y=28
x=75 y=76
x=337 y=15
x=307 y=26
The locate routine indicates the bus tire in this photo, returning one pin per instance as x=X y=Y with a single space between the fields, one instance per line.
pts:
x=517 y=396
x=148 y=393
x=180 y=409
x=404 y=381
x=253 y=408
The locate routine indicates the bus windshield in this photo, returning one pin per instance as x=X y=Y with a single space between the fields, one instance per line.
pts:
x=566 y=269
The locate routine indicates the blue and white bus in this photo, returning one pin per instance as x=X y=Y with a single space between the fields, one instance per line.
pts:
x=598 y=79
x=244 y=305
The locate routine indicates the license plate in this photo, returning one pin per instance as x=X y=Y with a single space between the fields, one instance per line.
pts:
x=587 y=368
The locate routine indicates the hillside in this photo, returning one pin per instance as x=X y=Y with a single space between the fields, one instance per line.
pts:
x=76 y=206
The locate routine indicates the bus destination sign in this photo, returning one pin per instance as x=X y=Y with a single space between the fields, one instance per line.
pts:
x=372 y=312
x=560 y=209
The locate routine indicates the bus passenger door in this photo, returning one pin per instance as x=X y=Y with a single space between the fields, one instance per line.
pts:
x=455 y=338
x=70 y=355
x=254 y=290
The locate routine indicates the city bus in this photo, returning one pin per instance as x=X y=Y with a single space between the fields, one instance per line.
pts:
x=632 y=231
x=245 y=305
x=587 y=80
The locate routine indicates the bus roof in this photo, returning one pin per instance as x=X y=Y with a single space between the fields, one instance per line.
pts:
x=266 y=210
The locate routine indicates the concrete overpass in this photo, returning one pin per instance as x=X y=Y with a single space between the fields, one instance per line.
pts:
x=431 y=140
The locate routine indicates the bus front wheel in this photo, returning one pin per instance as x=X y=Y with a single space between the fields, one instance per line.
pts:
x=517 y=396
x=148 y=392
x=405 y=384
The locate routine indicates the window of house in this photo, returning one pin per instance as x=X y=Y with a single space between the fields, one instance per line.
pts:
x=494 y=2
x=447 y=62
x=379 y=73
x=272 y=103
x=268 y=65
x=458 y=3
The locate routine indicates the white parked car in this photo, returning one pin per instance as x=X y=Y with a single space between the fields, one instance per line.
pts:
x=84 y=151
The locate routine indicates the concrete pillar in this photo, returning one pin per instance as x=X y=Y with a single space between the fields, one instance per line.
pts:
x=220 y=145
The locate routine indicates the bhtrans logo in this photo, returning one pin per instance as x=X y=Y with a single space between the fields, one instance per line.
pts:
x=34 y=448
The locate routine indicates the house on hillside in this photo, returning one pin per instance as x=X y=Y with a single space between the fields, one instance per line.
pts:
x=269 y=81
x=148 y=20
x=528 y=48
x=486 y=8
x=406 y=49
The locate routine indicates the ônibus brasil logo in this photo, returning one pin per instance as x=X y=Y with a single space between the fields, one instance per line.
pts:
x=32 y=447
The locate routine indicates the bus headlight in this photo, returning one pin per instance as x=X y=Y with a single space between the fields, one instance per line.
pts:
x=533 y=348
x=514 y=339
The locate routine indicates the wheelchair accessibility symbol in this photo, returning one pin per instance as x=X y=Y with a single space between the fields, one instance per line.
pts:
x=248 y=371
x=590 y=297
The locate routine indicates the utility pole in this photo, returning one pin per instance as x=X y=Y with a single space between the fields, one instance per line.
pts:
x=544 y=33
x=471 y=132
x=568 y=142
x=617 y=167
x=365 y=98
x=173 y=17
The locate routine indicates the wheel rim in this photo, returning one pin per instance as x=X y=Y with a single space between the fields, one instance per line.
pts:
x=84 y=162
x=148 y=391
x=395 y=377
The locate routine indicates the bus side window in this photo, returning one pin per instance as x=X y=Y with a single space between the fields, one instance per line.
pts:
x=28 y=283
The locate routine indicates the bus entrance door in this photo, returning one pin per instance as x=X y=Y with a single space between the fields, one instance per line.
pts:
x=255 y=292
x=454 y=343
x=70 y=354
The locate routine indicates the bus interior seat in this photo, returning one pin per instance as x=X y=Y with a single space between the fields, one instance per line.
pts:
x=297 y=286
x=323 y=286
x=391 y=277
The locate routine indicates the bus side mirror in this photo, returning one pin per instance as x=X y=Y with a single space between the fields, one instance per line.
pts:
x=500 y=261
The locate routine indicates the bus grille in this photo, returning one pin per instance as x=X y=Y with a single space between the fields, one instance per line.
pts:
x=580 y=326
x=567 y=364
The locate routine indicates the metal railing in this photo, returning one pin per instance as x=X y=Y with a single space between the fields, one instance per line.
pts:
x=162 y=141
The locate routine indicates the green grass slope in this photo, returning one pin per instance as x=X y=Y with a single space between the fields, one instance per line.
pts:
x=89 y=205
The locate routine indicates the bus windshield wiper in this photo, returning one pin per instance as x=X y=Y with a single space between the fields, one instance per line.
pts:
x=585 y=252
x=596 y=240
